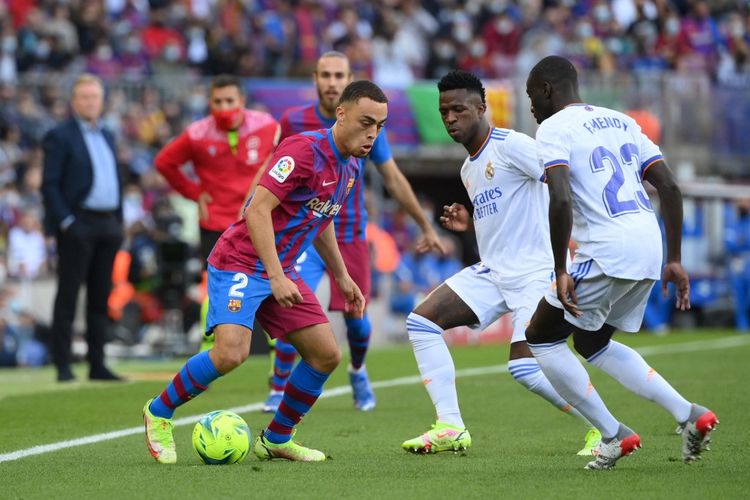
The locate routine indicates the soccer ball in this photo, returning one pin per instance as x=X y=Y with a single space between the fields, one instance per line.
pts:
x=221 y=437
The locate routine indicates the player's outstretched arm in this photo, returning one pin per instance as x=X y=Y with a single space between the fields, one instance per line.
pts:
x=328 y=249
x=670 y=200
x=398 y=187
x=561 y=225
x=456 y=218
x=260 y=227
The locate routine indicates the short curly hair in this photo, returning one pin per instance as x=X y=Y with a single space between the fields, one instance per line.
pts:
x=458 y=79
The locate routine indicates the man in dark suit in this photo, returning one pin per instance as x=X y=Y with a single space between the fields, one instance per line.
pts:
x=83 y=210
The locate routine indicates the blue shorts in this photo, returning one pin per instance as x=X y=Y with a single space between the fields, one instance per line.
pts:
x=236 y=298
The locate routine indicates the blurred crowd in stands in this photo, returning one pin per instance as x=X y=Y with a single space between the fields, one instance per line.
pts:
x=394 y=42
x=390 y=41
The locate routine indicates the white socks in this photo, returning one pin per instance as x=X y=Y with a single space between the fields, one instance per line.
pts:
x=568 y=376
x=631 y=370
x=436 y=367
x=526 y=371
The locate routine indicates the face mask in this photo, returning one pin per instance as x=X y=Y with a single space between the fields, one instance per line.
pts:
x=504 y=26
x=135 y=200
x=478 y=49
x=462 y=33
x=9 y=44
x=172 y=53
x=498 y=6
x=43 y=49
x=737 y=30
x=104 y=52
x=585 y=30
x=225 y=119
x=132 y=46
x=445 y=50
x=672 y=26
x=601 y=13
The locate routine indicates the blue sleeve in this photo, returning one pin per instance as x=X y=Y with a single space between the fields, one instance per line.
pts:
x=381 y=150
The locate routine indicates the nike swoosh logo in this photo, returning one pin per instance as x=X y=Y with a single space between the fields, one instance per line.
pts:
x=328 y=183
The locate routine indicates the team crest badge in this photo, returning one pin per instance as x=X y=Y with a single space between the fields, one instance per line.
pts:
x=234 y=305
x=489 y=171
x=349 y=185
x=253 y=142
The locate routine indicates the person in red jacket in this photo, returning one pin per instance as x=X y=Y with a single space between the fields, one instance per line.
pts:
x=228 y=150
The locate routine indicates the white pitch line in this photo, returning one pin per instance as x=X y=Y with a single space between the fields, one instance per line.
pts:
x=701 y=345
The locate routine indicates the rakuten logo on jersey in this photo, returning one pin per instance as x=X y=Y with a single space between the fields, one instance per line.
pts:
x=323 y=208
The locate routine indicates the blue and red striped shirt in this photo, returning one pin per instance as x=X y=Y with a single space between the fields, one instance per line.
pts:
x=312 y=180
x=351 y=221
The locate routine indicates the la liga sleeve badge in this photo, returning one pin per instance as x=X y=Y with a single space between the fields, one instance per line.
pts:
x=282 y=169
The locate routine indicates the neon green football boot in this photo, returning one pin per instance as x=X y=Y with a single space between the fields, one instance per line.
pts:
x=266 y=450
x=159 y=438
x=592 y=439
x=440 y=437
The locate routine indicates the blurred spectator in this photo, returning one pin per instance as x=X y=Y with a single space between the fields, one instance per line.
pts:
x=734 y=65
x=502 y=37
x=27 y=250
x=700 y=34
x=159 y=39
x=8 y=46
x=393 y=40
x=102 y=61
x=23 y=341
x=61 y=28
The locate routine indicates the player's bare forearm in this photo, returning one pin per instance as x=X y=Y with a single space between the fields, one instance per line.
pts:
x=328 y=249
x=670 y=200
x=260 y=227
x=398 y=186
x=560 y=215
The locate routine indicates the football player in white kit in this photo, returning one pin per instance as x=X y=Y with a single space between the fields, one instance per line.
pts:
x=503 y=180
x=595 y=159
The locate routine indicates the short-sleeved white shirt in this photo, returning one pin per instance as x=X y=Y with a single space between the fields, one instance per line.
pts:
x=504 y=181
x=613 y=220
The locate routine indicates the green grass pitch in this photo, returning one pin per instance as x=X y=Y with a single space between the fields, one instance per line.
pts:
x=523 y=448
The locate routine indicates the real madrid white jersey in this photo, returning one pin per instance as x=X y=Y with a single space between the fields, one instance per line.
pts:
x=504 y=182
x=613 y=220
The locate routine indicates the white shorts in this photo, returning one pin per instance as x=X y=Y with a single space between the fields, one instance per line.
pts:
x=603 y=299
x=480 y=290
